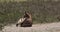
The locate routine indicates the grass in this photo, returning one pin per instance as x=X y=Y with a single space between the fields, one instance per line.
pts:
x=12 y=0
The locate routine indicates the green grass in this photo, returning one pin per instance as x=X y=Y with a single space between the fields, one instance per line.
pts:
x=42 y=12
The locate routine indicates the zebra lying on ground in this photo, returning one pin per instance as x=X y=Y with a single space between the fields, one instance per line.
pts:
x=26 y=21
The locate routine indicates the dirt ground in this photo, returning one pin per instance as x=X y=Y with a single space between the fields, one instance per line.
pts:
x=49 y=27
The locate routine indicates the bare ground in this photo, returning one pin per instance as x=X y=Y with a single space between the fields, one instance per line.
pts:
x=49 y=27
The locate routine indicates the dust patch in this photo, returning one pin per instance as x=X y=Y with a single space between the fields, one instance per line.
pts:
x=50 y=27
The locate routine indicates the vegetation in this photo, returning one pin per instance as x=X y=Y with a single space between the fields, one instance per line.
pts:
x=42 y=11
